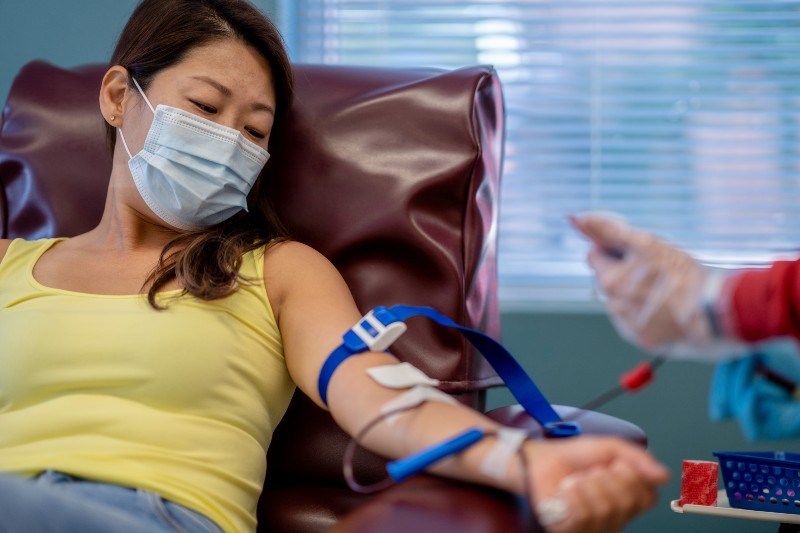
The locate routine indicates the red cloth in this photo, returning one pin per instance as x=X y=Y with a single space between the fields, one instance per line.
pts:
x=766 y=303
x=699 y=482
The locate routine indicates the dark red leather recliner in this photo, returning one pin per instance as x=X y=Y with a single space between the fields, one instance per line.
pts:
x=394 y=175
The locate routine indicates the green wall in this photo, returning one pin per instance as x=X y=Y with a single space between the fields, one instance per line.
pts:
x=66 y=33
x=572 y=356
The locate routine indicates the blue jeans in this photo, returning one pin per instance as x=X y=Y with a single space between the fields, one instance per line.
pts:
x=56 y=502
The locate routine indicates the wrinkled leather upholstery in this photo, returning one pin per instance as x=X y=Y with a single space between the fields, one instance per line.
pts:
x=399 y=173
x=54 y=165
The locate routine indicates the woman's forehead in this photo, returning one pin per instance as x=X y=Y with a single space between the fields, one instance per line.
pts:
x=229 y=62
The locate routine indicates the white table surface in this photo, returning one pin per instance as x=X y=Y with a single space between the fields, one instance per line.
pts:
x=723 y=508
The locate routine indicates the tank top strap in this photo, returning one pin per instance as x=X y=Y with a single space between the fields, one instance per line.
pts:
x=21 y=256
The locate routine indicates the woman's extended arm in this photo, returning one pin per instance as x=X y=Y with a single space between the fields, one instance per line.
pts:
x=604 y=481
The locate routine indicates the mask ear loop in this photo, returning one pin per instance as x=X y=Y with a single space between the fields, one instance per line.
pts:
x=139 y=87
x=124 y=144
x=121 y=136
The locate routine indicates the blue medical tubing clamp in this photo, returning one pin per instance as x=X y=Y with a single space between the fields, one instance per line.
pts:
x=378 y=337
x=406 y=467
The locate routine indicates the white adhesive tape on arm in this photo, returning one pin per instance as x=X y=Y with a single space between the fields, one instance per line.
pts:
x=497 y=458
x=415 y=397
x=400 y=376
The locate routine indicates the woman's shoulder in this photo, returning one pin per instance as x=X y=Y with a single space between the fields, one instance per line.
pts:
x=26 y=247
x=293 y=257
x=293 y=270
x=4 y=244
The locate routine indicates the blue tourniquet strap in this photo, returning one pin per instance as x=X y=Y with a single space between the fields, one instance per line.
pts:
x=381 y=326
x=518 y=382
x=376 y=331
x=336 y=357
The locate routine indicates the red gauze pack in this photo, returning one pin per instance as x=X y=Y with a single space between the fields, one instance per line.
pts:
x=699 y=482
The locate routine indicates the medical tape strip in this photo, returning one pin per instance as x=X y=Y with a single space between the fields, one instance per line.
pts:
x=400 y=376
x=509 y=440
x=412 y=398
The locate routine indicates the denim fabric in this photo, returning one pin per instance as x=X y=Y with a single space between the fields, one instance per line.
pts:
x=58 y=503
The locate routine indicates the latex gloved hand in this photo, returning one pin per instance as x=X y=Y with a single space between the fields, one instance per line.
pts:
x=765 y=410
x=657 y=295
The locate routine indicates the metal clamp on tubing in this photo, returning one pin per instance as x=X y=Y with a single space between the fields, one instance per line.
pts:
x=375 y=332
x=401 y=469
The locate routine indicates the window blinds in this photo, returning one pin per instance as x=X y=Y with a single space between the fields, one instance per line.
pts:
x=683 y=116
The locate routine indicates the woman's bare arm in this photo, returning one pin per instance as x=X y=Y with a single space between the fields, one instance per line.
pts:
x=4 y=243
x=314 y=307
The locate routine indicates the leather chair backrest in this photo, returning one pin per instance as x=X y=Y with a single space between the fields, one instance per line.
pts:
x=393 y=174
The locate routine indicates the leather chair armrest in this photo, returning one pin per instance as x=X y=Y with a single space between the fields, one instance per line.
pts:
x=425 y=504
x=590 y=422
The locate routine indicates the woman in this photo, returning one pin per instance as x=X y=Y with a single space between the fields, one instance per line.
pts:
x=204 y=317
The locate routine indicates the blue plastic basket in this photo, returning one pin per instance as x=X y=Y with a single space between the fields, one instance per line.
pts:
x=762 y=481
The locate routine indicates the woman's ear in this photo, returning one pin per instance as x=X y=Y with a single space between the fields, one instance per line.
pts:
x=113 y=92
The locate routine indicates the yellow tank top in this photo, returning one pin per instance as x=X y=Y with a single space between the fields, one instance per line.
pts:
x=182 y=402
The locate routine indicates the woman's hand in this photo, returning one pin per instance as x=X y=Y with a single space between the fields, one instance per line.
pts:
x=600 y=483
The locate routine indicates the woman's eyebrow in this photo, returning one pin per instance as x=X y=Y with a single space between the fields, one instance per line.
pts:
x=227 y=92
x=264 y=107
x=214 y=83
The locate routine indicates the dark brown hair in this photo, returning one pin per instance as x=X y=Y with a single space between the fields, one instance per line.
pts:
x=158 y=35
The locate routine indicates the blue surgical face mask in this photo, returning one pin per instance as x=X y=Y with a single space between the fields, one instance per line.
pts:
x=192 y=172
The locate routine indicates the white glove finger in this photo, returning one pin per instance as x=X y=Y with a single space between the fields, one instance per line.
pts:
x=607 y=231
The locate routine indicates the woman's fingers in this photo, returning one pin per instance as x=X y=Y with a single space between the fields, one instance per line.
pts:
x=599 y=483
x=609 y=233
x=604 y=499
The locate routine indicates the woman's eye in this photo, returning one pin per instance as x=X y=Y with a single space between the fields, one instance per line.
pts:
x=205 y=108
x=255 y=133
